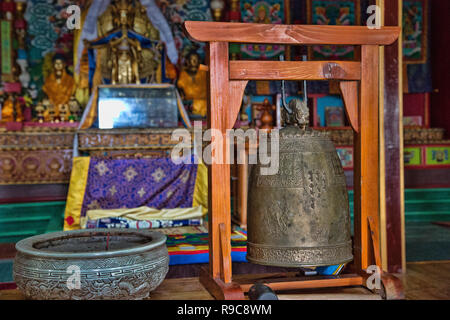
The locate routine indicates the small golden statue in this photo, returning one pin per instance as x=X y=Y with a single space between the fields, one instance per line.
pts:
x=192 y=84
x=49 y=111
x=11 y=109
x=74 y=108
x=64 y=112
x=59 y=85
x=125 y=62
x=40 y=109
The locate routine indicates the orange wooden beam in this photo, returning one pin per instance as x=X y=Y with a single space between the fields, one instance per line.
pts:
x=349 y=90
x=295 y=70
x=289 y=34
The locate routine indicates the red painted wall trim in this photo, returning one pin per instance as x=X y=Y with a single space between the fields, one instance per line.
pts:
x=392 y=144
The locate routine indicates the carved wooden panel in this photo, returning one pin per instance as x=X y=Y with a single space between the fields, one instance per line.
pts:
x=35 y=166
x=36 y=157
x=126 y=139
x=35 y=140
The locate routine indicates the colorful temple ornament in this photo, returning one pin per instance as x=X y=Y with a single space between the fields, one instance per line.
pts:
x=20 y=28
x=217 y=7
x=267 y=12
x=8 y=9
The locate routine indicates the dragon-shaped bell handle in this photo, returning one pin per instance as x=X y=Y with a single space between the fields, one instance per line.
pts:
x=297 y=112
x=299 y=115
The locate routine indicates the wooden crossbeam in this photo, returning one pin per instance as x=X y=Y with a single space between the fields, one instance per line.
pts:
x=289 y=34
x=295 y=70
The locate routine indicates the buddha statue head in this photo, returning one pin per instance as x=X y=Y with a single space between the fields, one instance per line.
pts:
x=192 y=63
x=123 y=12
x=59 y=65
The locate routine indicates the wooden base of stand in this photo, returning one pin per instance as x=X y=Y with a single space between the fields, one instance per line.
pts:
x=219 y=289
x=289 y=281
x=392 y=288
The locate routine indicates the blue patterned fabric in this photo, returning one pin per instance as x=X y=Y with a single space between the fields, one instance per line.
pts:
x=176 y=12
x=131 y=183
x=118 y=222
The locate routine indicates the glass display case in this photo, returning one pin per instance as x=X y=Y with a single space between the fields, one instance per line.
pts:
x=131 y=106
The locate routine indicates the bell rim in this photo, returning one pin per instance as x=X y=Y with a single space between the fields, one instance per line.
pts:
x=281 y=256
x=297 y=265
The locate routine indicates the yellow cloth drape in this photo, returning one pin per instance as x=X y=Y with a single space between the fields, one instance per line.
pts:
x=77 y=187
x=200 y=197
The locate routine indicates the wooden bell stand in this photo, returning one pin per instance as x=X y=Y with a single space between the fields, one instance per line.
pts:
x=359 y=86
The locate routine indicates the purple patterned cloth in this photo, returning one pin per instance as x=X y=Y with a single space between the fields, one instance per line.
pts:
x=131 y=183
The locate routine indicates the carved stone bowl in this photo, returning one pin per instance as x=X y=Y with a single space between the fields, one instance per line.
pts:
x=91 y=264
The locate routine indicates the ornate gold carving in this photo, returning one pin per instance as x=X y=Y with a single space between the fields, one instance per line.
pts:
x=35 y=166
x=94 y=140
x=36 y=157
x=36 y=140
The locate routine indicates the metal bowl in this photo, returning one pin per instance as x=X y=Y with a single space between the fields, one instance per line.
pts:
x=91 y=264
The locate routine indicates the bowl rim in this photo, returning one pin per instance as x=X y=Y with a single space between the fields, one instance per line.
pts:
x=25 y=246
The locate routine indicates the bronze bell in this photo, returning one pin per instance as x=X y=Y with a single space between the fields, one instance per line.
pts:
x=299 y=217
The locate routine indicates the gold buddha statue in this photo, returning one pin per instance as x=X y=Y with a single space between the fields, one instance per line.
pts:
x=59 y=85
x=192 y=84
x=123 y=60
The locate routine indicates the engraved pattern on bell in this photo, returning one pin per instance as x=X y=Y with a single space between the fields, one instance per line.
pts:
x=300 y=216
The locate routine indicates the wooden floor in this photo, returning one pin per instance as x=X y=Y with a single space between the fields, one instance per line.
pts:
x=423 y=280
x=427 y=280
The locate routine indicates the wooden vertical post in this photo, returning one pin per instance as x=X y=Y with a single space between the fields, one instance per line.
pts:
x=366 y=156
x=218 y=174
x=243 y=190
x=392 y=148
